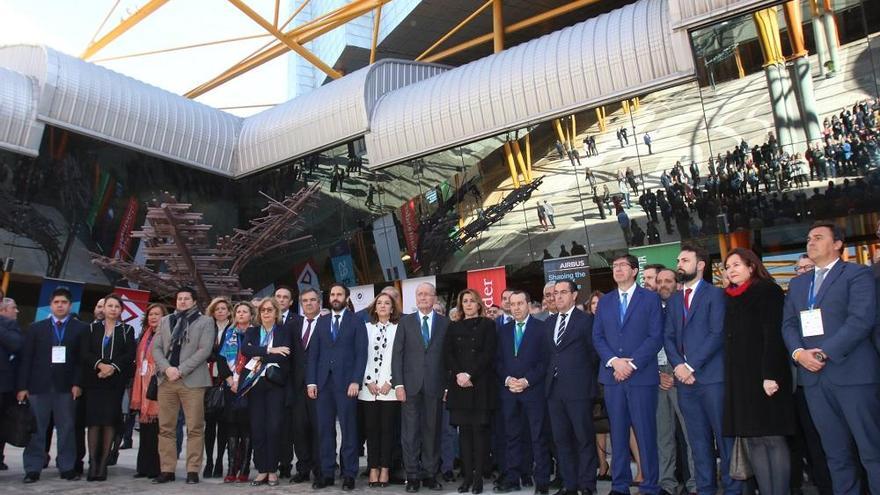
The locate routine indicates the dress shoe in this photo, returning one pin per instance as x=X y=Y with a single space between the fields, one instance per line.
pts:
x=465 y=486
x=506 y=487
x=448 y=476
x=348 y=484
x=527 y=481
x=256 y=482
x=477 y=488
x=542 y=490
x=163 y=478
x=299 y=478
x=192 y=478
x=412 y=485
x=31 y=478
x=70 y=476
x=432 y=484
x=322 y=483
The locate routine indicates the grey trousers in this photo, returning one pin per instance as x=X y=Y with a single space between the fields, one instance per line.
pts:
x=667 y=410
x=60 y=406
x=420 y=418
x=771 y=463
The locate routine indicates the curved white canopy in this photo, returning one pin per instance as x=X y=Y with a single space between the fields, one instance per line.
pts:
x=19 y=129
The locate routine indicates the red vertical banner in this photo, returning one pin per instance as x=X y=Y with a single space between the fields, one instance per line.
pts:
x=134 y=306
x=409 y=219
x=489 y=283
x=123 y=235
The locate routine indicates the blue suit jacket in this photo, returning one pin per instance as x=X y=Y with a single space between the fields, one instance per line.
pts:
x=574 y=360
x=530 y=362
x=346 y=358
x=10 y=344
x=36 y=373
x=700 y=336
x=639 y=337
x=847 y=299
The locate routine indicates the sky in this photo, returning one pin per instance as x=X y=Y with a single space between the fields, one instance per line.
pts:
x=68 y=26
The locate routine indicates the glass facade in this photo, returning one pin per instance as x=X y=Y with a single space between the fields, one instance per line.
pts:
x=685 y=162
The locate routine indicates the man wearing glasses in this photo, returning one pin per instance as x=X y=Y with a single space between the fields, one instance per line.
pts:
x=803 y=265
x=570 y=387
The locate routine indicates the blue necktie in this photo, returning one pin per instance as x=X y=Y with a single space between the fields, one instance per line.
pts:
x=622 y=307
x=334 y=328
x=518 y=337
x=426 y=334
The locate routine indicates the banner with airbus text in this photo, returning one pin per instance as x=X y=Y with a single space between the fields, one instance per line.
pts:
x=388 y=248
x=575 y=268
x=489 y=283
x=664 y=254
x=49 y=285
x=409 y=220
x=134 y=306
x=362 y=296
x=408 y=289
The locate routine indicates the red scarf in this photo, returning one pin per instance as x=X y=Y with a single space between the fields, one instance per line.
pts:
x=737 y=290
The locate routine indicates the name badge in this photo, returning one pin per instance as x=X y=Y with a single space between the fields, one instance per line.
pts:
x=144 y=367
x=662 y=360
x=59 y=354
x=811 y=323
x=252 y=364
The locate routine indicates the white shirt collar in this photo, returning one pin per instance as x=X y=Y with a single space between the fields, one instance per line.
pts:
x=526 y=321
x=829 y=266
x=629 y=293
x=567 y=313
x=56 y=320
x=429 y=314
x=692 y=285
x=341 y=313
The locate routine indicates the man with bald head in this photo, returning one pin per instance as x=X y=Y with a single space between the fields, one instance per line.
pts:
x=417 y=375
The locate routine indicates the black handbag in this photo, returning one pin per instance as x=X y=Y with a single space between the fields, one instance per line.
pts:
x=275 y=376
x=18 y=424
x=215 y=400
x=153 y=389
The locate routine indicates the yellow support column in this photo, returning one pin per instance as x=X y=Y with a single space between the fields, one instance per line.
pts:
x=637 y=103
x=741 y=71
x=509 y=156
x=517 y=152
x=529 y=155
x=625 y=105
x=600 y=118
x=573 y=132
x=559 y=132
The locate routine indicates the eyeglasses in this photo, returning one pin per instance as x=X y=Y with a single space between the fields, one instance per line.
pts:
x=620 y=265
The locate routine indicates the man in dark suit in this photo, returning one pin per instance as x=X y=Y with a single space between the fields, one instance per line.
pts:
x=571 y=386
x=303 y=420
x=828 y=322
x=284 y=297
x=49 y=376
x=10 y=343
x=418 y=377
x=628 y=334
x=335 y=370
x=694 y=345
x=521 y=363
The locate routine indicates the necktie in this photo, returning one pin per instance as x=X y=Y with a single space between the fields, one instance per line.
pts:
x=334 y=328
x=305 y=338
x=517 y=340
x=623 y=305
x=687 y=303
x=426 y=334
x=561 y=331
x=820 y=277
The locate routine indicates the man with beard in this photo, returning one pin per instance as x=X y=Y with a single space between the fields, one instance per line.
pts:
x=336 y=363
x=694 y=344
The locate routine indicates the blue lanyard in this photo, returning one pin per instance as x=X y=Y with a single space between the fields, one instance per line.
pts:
x=265 y=336
x=59 y=336
x=811 y=298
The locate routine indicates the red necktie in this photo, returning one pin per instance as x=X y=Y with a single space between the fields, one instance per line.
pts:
x=305 y=338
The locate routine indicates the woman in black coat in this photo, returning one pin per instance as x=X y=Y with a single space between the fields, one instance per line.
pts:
x=266 y=345
x=108 y=352
x=220 y=310
x=469 y=352
x=758 y=400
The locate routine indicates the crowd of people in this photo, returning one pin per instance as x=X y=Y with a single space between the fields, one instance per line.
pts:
x=532 y=391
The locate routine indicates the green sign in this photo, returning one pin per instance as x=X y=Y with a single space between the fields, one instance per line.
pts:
x=665 y=254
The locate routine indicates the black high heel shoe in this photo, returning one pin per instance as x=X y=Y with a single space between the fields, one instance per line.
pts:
x=465 y=486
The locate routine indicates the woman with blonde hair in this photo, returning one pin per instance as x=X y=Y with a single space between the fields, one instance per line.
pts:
x=469 y=355
x=235 y=416
x=148 y=410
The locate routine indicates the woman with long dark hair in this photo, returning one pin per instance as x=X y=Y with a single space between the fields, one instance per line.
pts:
x=469 y=355
x=108 y=351
x=147 y=410
x=758 y=403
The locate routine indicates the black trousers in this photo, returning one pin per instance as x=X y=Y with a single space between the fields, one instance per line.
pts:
x=305 y=435
x=215 y=433
x=285 y=449
x=148 y=451
x=265 y=407
x=474 y=443
x=379 y=428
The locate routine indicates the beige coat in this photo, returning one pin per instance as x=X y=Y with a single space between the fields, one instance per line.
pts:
x=197 y=347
